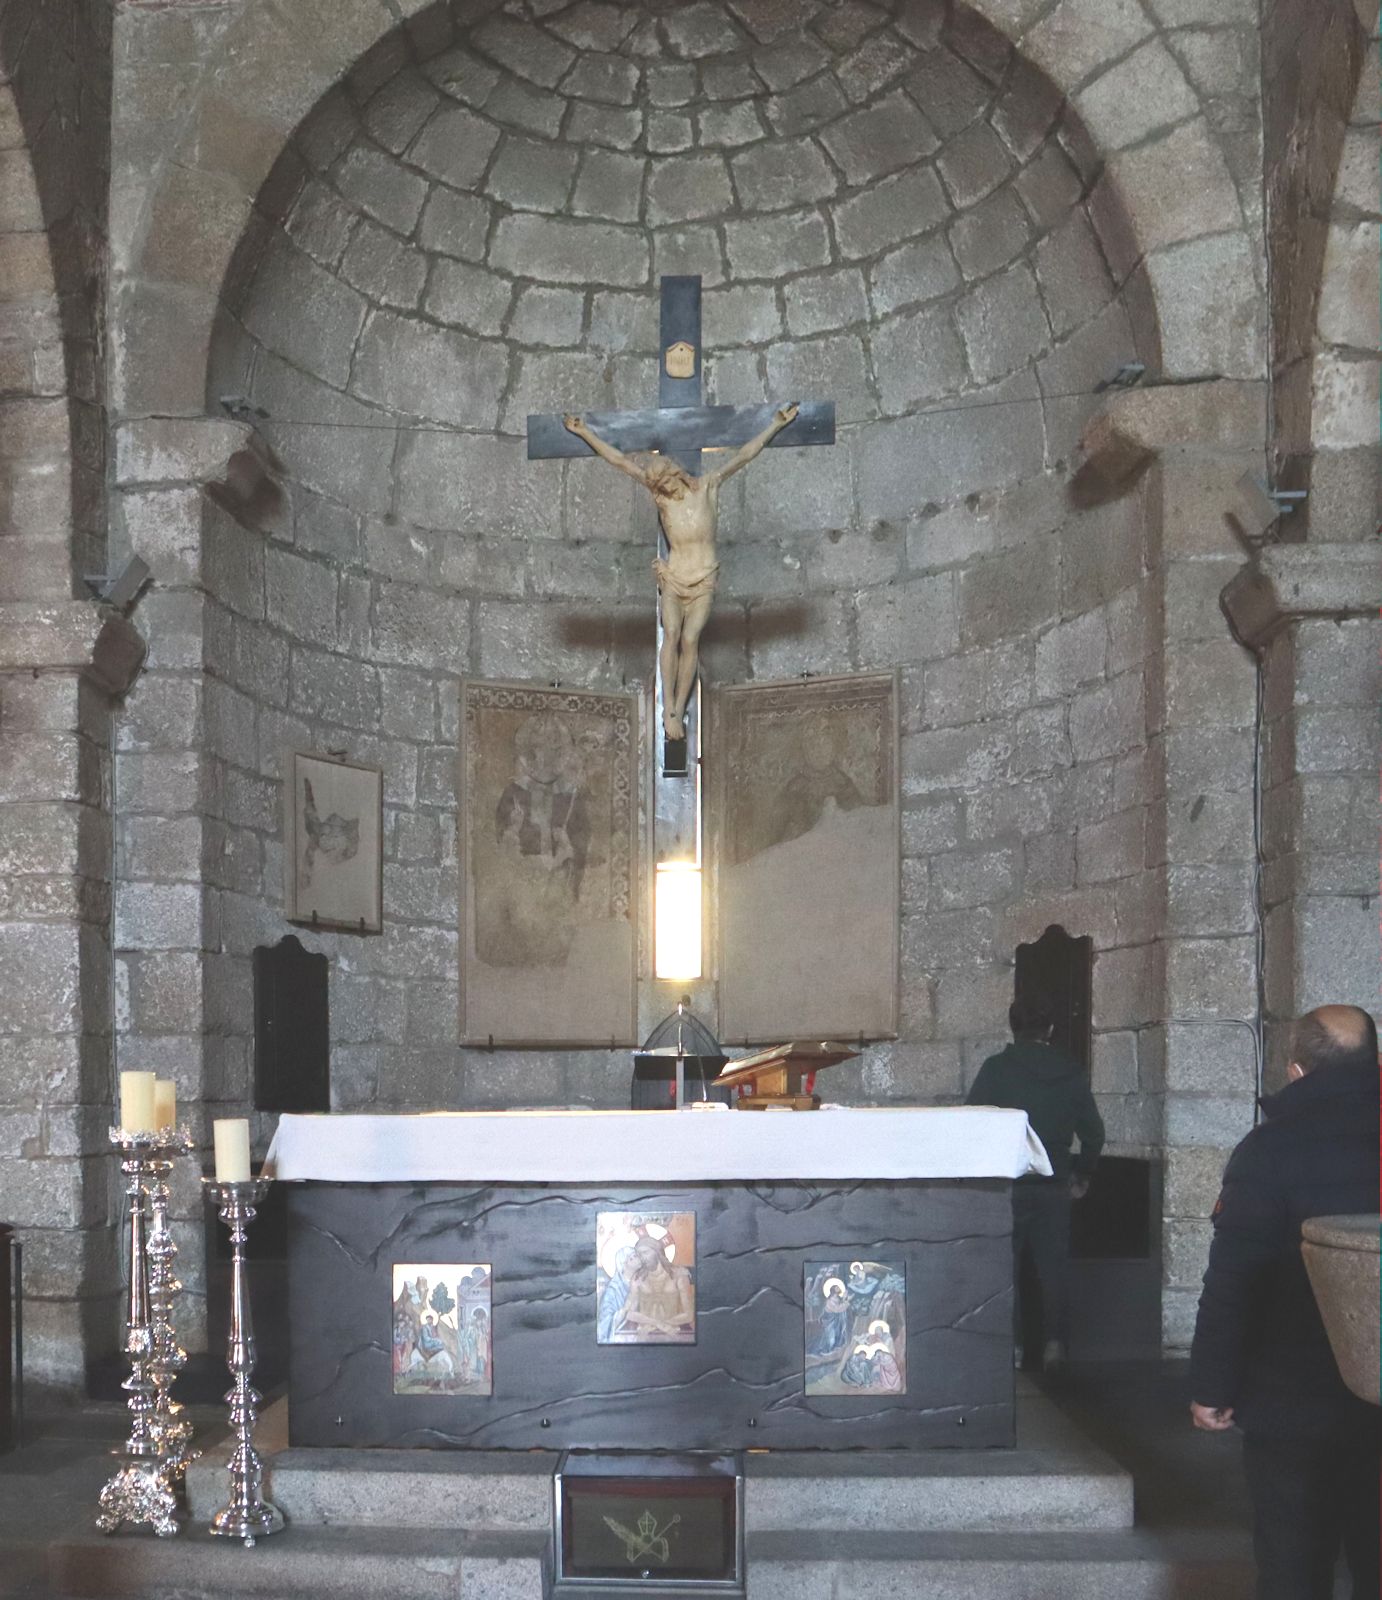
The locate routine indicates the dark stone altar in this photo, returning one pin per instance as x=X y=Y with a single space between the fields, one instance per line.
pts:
x=740 y=1384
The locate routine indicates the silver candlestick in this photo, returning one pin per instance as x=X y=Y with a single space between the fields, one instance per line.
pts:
x=247 y=1515
x=142 y=1490
x=171 y=1430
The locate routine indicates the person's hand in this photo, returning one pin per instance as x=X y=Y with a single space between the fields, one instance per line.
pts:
x=786 y=414
x=1079 y=1187
x=573 y=424
x=1211 y=1419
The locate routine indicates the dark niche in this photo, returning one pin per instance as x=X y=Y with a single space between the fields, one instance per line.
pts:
x=292 y=1028
x=1058 y=969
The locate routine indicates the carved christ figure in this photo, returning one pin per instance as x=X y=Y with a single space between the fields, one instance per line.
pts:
x=687 y=508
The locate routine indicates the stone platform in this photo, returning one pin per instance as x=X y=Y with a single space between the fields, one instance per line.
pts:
x=1052 y=1519
x=1054 y=1480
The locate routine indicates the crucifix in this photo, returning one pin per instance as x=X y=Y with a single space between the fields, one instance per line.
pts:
x=677 y=431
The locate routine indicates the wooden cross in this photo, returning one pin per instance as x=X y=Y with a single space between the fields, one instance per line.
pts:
x=680 y=426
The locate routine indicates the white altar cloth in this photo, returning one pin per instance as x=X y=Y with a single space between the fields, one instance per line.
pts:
x=602 y=1147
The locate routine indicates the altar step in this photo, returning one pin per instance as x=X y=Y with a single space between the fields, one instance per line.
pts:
x=301 y=1564
x=1051 y=1519
x=364 y=1563
x=1126 y=1565
x=1054 y=1480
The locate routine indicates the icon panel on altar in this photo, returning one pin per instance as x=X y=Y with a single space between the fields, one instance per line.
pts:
x=442 y=1328
x=645 y=1277
x=856 y=1327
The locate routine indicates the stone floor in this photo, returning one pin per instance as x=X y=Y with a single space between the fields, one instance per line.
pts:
x=1189 y=1536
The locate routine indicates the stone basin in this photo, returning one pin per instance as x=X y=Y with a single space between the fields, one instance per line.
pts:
x=1341 y=1256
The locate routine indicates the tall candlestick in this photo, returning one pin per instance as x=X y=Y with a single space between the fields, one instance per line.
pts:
x=232 y=1140
x=165 y=1104
x=137 y=1102
x=247 y=1515
x=141 y=1491
x=171 y=1429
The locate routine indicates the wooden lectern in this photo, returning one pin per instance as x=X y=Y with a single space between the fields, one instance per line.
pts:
x=776 y=1076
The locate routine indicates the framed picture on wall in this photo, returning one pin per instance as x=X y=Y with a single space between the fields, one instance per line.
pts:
x=333 y=856
x=549 y=822
x=805 y=799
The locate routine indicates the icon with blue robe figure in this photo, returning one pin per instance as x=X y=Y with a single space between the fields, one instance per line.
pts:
x=441 y=1328
x=855 y=1327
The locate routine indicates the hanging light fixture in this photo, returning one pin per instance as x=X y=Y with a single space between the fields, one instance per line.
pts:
x=677 y=921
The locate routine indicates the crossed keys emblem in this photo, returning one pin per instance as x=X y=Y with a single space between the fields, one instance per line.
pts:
x=647 y=1539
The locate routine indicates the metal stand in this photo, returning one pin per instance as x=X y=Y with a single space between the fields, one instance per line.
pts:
x=143 y=1490
x=247 y=1515
x=172 y=1432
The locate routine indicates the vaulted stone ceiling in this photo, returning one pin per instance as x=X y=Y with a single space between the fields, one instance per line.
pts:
x=888 y=209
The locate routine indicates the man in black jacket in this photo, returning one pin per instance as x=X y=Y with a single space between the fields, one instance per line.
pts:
x=1261 y=1358
x=1033 y=1075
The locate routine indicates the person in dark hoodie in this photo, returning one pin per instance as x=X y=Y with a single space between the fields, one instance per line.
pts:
x=1261 y=1359
x=1033 y=1075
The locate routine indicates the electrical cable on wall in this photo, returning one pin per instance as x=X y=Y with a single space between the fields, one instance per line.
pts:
x=261 y=415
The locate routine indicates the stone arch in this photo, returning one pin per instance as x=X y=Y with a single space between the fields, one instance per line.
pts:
x=62 y=664
x=393 y=570
x=37 y=443
x=1161 y=111
x=1168 y=184
x=54 y=141
x=253 y=85
x=1345 y=504
x=1171 y=202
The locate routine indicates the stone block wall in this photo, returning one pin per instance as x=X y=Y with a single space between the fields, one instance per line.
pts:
x=60 y=662
x=1323 y=685
x=55 y=974
x=55 y=63
x=1343 y=359
x=1312 y=52
x=60 y=666
x=173 y=848
x=412 y=293
x=1313 y=909
x=1312 y=912
x=1320 y=639
x=954 y=238
x=1205 y=755
x=1200 y=1066
x=898 y=213
x=1312 y=624
x=1319 y=636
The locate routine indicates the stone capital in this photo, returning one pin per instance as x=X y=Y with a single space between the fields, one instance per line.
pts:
x=77 y=636
x=1137 y=425
x=1289 y=583
x=152 y=451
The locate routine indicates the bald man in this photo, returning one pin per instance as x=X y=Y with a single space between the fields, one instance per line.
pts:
x=1261 y=1359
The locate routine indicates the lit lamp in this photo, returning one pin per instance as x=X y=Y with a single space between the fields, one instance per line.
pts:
x=677 y=921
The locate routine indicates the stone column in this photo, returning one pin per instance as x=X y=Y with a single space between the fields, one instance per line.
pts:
x=62 y=665
x=174 y=853
x=1208 y=740
x=1311 y=612
x=1200 y=969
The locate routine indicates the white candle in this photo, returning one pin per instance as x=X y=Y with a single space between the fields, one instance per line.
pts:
x=232 y=1139
x=165 y=1104
x=136 y=1102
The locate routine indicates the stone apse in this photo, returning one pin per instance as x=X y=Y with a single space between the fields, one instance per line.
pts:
x=353 y=245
